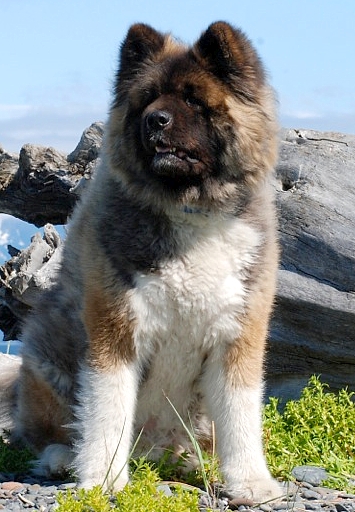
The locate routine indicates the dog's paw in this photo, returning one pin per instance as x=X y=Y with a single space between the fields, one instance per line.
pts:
x=111 y=485
x=254 y=491
x=55 y=459
x=110 y=477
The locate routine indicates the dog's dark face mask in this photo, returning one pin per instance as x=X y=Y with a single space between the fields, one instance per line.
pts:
x=174 y=125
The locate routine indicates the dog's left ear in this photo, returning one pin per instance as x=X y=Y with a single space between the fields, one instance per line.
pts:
x=229 y=55
x=142 y=41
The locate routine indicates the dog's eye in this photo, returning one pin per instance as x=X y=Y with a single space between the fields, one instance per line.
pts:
x=193 y=102
x=148 y=96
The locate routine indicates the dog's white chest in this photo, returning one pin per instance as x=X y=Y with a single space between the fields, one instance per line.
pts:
x=196 y=299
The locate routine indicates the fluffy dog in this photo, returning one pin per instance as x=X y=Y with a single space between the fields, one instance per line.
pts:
x=168 y=273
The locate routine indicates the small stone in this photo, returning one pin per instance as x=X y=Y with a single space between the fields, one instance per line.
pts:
x=49 y=491
x=12 y=486
x=310 y=495
x=312 y=506
x=311 y=474
x=340 y=507
x=298 y=504
x=265 y=507
x=237 y=502
x=45 y=502
x=67 y=485
x=165 y=489
x=306 y=485
x=34 y=488
x=280 y=506
x=32 y=496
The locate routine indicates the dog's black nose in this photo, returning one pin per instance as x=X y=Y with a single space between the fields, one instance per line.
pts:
x=158 y=120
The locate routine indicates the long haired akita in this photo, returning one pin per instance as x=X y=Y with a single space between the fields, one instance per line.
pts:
x=168 y=273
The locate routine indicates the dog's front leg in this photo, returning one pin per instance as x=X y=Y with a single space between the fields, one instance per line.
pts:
x=105 y=421
x=107 y=394
x=232 y=384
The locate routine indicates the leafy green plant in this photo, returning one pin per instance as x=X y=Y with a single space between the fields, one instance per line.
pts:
x=317 y=429
x=140 y=495
x=92 y=500
x=14 y=459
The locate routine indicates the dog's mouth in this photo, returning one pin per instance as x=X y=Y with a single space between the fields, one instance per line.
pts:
x=174 y=152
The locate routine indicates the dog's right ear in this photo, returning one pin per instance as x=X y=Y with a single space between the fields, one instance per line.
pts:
x=141 y=42
x=228 y=54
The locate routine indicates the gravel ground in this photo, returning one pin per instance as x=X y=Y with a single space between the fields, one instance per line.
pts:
x=29 y=494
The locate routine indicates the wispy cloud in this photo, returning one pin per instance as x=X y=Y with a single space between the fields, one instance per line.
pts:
x=58 y=126
x=13 y=111
x=330 y=107
x=303 y=114
x=343 y=122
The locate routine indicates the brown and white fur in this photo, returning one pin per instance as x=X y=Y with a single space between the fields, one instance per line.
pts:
x=168 y=273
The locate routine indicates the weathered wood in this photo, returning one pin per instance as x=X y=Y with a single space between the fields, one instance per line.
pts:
x=41 y=185
x=24 y=276
x=313 y=328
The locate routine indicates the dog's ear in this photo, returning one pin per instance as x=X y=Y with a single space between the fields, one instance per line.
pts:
x=229 y=55
x=141 y=42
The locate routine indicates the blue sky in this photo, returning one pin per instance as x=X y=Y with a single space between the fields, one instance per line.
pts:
x=58 y=59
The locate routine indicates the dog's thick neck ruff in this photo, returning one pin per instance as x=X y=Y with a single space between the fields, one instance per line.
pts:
x=193 y=210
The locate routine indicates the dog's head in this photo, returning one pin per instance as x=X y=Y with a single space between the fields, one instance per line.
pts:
x=194 y=125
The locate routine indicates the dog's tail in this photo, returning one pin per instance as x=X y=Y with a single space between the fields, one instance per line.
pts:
x=9 y=373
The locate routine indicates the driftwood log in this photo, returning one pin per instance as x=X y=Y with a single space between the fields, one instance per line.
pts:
x=313 y=327
x=42 y=184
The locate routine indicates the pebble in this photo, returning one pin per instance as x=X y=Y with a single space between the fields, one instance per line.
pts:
x=28 y=494
x=310 y=495
x=312 y=475
x=312 y=506
x=265 y=508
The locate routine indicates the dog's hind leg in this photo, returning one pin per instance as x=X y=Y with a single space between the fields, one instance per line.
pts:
x=42 y=422
x=9 y=374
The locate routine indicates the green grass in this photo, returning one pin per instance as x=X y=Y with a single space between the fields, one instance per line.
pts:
x=318 y=429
